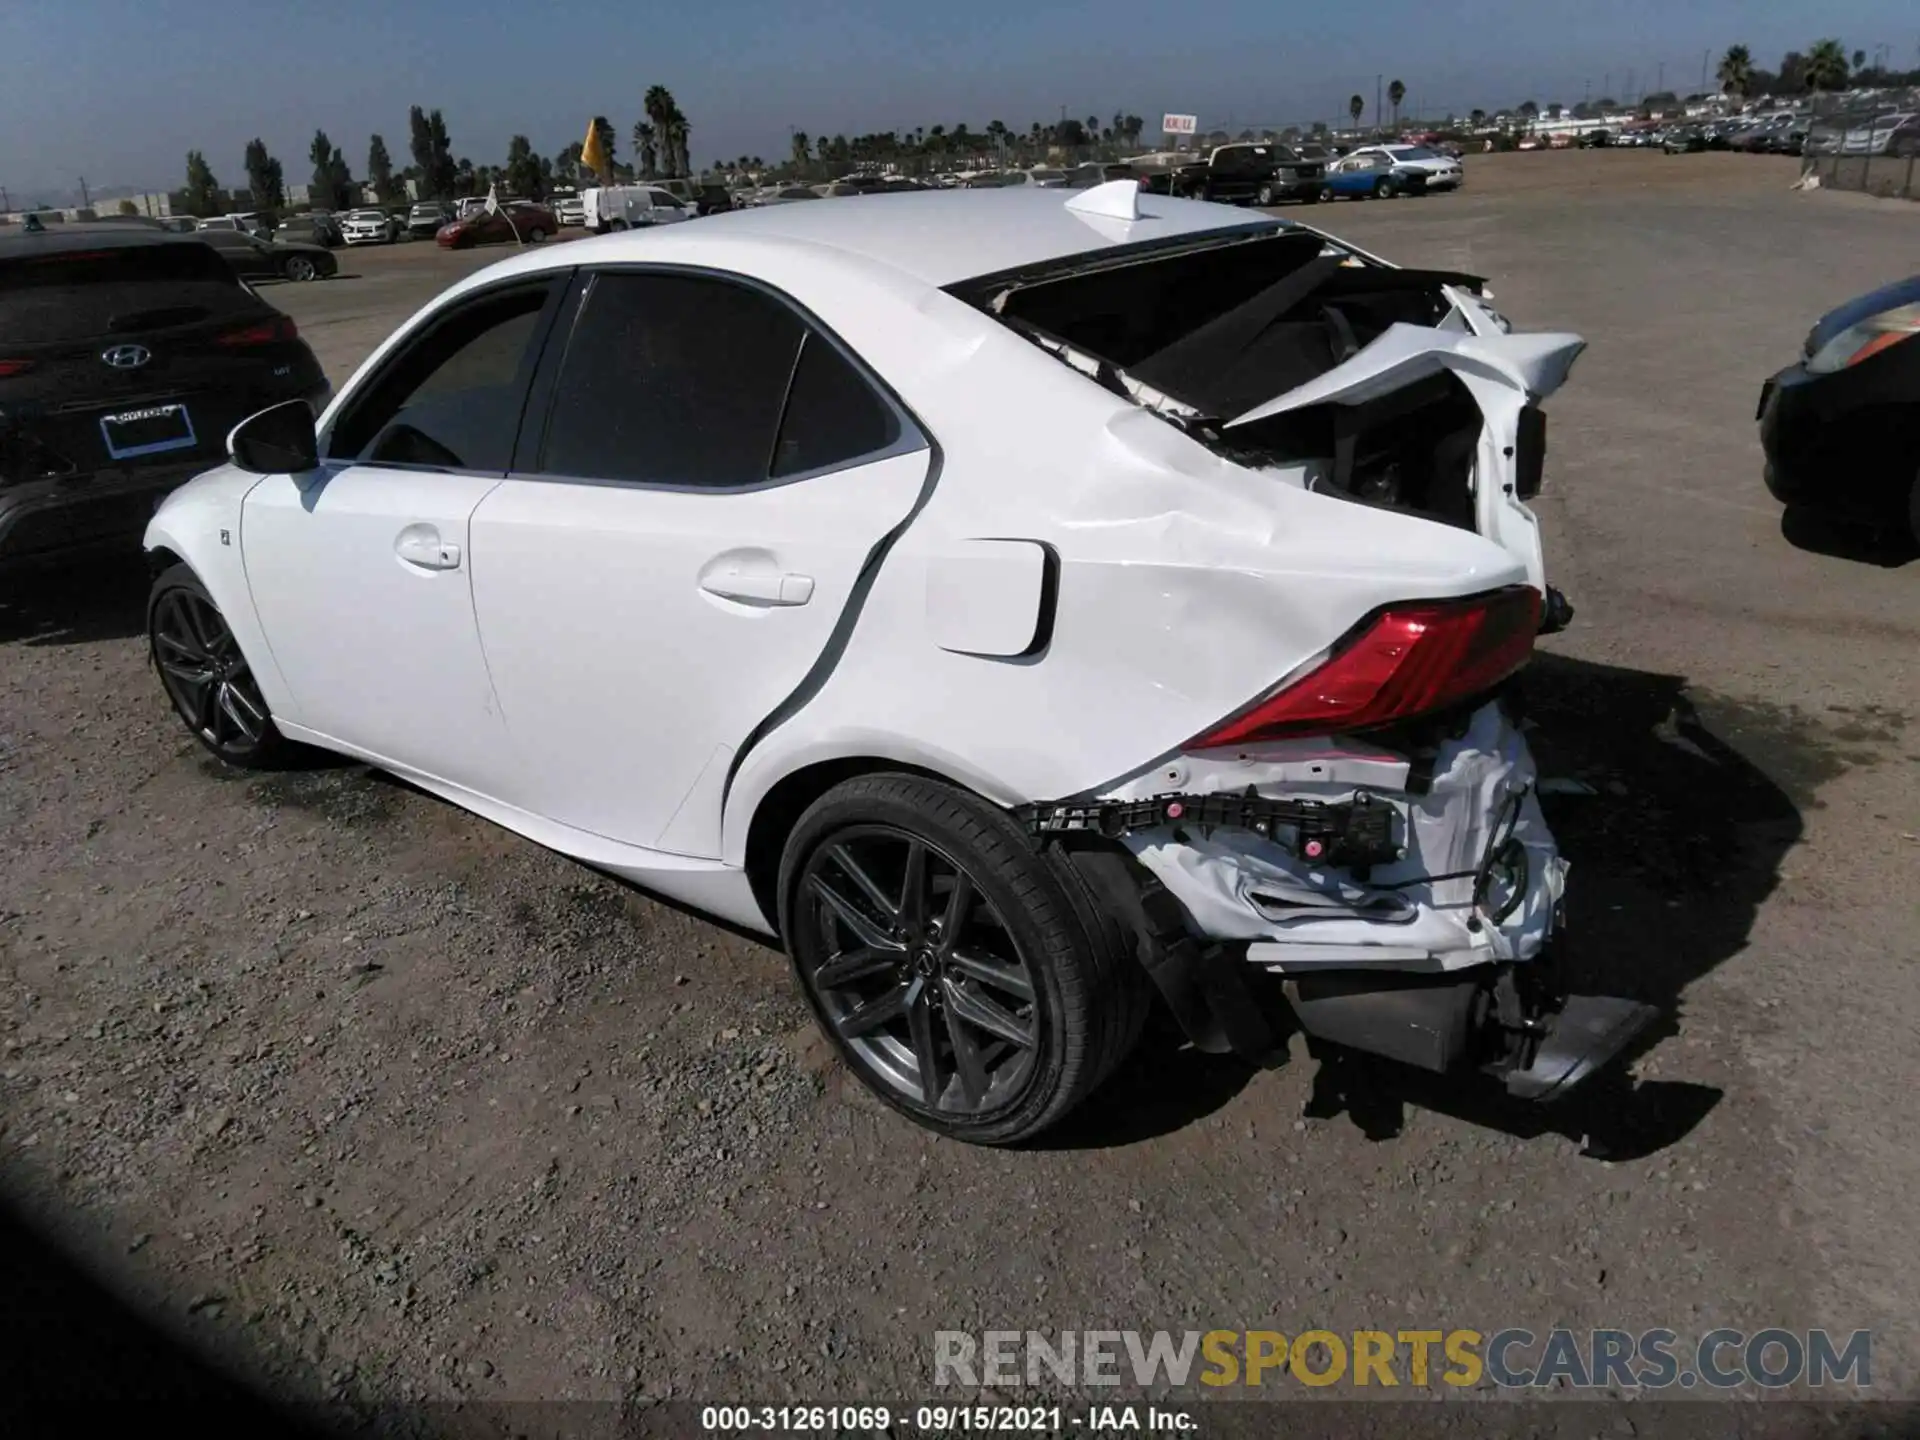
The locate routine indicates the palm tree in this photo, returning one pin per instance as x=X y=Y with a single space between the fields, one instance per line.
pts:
x=646 y=149
x=1859 y=60
x=1736 y=72
x=1529 y=112
x=1356 y=107
x=1477 y=118
x=658 y=103
x=802 y=152
x=1826 y=66
x=679 y=143
x=1396 y=92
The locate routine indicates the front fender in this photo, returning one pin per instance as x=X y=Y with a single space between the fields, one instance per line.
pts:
x=200 y=524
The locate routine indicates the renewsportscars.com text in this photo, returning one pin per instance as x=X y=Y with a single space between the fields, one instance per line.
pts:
x=1517 y=1359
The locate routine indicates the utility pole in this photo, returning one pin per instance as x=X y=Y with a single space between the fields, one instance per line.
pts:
x=1705 y=56
x=1661 y=84
x=86 y=198
x=1376 y=100
x=5 y=203
x=1630 y=97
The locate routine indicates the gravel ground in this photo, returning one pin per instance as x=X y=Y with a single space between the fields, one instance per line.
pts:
x=372 y=1103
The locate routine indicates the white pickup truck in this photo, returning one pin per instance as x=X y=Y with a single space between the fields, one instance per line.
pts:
x=626 y=207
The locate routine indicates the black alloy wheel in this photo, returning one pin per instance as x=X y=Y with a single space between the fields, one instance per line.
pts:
x=966 y=978
x=917 y=973
x=205 y=674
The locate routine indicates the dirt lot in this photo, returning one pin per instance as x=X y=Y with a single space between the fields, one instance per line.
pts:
x=377 y=1104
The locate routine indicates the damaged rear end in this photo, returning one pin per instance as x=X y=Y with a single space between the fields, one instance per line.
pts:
x=1367 y=828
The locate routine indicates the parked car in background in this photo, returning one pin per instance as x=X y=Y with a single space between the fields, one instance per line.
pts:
x=699 y=197
x=1371 y=175
x=1841 y=426
x=314 y=229
x=1085 y=177
x=129 y=353
x=247 y=223
x=631 y=207
x=1443 y=172
x=1242 y=174
x=786 y=195
x=492 y=599
x=425 y=219
x=1596 y=139
x=255 y=259
x=568 y=208
x=516 y=222
x=1687 y=140
x=370 y=227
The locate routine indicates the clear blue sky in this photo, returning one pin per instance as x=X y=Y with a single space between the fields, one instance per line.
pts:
x=119 y=90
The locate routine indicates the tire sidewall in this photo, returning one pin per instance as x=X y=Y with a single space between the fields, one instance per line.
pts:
x=1026 y=925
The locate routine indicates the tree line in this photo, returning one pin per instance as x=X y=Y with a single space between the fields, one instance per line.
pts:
x=661 y=150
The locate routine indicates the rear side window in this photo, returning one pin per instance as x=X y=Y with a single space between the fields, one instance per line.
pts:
x=86 y=295
x=672 y=380
x=832 y=414
x=452 y=397
x=694 y=382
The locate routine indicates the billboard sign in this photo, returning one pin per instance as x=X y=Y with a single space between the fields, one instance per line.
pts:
x=1179 y=124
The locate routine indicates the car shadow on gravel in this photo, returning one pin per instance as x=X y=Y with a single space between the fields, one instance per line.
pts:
x=98 y=599
x=75 y=1353
x=1676 y=839
x=1821 y=534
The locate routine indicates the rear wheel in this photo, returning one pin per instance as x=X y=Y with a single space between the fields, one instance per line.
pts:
x=1265 y=195
x=1326 y=194
x=967 y=980
x=536 y=235
x=206 y=677
x=1383 y=190
x=299 y=267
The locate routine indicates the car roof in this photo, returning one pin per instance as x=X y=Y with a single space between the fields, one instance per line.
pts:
x=78 y=235
x=941 y=237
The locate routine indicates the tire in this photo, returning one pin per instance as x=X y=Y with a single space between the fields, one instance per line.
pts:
x=1383 y=190
x=617 y=225
x=299 y=267
x=1034 y=956
x=1264 y=196
x=1913 y=511
x=536 y=235
x=1326 y=195
x=224 y=710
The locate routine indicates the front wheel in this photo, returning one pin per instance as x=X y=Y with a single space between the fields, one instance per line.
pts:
x=299 y=267
x=968 y=980
x=206 y=677
x=1264 y=196
x=1383 y=190
x=1326 y=195
x=536 y=235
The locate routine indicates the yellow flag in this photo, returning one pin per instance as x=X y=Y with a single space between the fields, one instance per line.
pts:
x=591 y=155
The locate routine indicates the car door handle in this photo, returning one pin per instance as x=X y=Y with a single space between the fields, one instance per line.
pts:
x=759 y=588
x=421 y=545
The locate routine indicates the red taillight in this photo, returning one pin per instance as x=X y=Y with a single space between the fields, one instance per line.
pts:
x=267 y=332
x=1406 y=660
x=14 y=367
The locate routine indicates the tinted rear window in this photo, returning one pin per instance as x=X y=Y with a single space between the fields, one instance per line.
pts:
x=81 y=295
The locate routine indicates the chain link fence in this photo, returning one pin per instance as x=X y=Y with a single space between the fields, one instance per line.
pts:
x=1872 y=148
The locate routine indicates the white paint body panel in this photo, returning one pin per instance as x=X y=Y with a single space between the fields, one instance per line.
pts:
x=583 y=689
x=630 y=631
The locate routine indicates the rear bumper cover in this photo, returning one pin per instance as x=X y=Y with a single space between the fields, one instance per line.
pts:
x=1431 y=960
x=45 y=520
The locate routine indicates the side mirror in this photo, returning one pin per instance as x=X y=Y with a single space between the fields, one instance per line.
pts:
x=279 y=440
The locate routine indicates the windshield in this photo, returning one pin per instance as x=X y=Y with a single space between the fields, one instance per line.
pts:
x=1046 y=174
x=1416 y=152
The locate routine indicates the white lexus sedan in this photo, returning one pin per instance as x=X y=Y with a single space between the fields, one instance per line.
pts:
x=1026 y=605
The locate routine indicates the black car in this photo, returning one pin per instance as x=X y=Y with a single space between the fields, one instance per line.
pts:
x=126 y=355
x=255 y=259
x=1841 y=428
x=1688 y=140
x=321 y=230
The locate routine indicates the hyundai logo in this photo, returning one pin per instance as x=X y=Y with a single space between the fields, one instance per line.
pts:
x=127 y=357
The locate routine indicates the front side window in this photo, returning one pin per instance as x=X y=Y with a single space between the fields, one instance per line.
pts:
x=696 y=382
x=452 y=398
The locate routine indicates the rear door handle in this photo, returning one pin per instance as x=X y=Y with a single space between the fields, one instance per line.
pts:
x=421 y=546
x=760 y=589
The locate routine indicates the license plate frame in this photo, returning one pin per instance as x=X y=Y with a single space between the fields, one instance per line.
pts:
x=169 y=438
